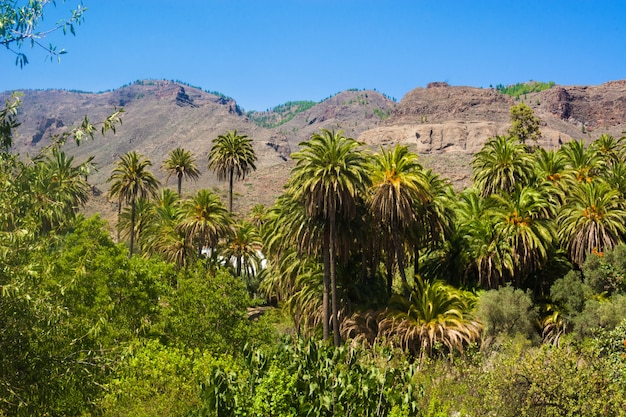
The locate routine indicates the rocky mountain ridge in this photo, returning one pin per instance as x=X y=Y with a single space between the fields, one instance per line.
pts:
x=444 y=124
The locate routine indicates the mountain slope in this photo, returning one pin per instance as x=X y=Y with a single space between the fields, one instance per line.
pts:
x=445 y=124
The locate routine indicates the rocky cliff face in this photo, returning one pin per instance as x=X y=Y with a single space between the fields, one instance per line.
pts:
x=594 y=107
x=442 y=119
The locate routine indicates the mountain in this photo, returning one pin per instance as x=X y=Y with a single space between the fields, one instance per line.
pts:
x=444 y=124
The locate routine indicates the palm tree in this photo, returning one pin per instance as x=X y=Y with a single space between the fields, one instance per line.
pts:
x=58 y=186
x=433 y=313
x=292 y=244
x=243 y=246
x=615 y=176
x=145 y=216
x=550 y=168
x=258 y=216
x=435 y=217
x=205 y=220
x=397 y=183
x=608 y=148
x=231 y=157
x=130 y=180
x=524 y=221
x=501 y=165
x=329 y=177
x=592 y=219
x=182 y=164
x=164 y=235
x=488 y=256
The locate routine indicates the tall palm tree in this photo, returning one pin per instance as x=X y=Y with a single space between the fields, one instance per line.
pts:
x=397 y=183
x=592 y=219
x=205 y=220
x=293 y=243
x=550 y=168
x=145 y=217
x=182 y=164
x=501 y=165
x=131 y=179
x=232 y=156
x=524 y=221
x=329 y=178
x=435 y=217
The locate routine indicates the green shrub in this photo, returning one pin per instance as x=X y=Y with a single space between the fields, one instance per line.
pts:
x=506 y=311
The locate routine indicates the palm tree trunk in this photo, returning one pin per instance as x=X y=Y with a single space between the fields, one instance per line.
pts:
x=399 y=256
x=238 y=266
x=230 y=180
x=119 y=214
x=416 y=261
x=389 y=265
x=180 y=184
x=326 y=291
x=132 y=228
x=333 y=278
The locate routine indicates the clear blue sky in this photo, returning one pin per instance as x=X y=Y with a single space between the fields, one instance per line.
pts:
x=266 y=52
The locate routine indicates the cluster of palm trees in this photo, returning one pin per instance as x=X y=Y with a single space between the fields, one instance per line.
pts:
x=528 y=209
x=349 y=212
x=180 y=229
x=43 y=193
x=350 y=222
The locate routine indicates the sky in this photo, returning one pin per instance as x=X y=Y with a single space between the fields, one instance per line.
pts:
x=264 y=53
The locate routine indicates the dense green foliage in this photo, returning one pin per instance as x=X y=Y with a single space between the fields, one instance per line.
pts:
x=519 y=89
x=309 y=378
x=511 y=300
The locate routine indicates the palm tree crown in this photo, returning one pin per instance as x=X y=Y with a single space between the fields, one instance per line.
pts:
x=592 y=219
x=205 y=219
x=502 y=165
x=232 y=156
x=182 y=164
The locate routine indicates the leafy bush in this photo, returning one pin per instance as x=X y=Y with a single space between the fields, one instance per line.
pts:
x=520 y=380
x=606 y=272
x=311 y=378
x=506 y=311
x=570 y=293
x=206 y=311
x=155 y=380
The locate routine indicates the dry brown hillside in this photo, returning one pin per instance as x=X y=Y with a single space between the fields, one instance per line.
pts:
x=445 y=124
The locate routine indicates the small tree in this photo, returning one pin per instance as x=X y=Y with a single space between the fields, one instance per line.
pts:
x=524 y=124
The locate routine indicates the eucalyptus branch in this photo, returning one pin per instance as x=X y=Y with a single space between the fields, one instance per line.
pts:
x=19 y=24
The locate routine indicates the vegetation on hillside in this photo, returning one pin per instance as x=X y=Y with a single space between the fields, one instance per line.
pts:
x=520 y=89
x=280 y=114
